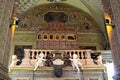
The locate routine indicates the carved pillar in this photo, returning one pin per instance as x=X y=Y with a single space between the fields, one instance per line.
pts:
x=33 y=54
x=82 y=54
x=5 y=41
x=112 y=8
x=78 y=54
x=32 y=61
x=70 y=54
x=45 y=54
x=82 y=60
x=37 y=54
x=115 y=41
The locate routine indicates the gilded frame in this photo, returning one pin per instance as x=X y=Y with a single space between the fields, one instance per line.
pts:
x=39 y=36
x=45 y=36
x=57 y=37
x=62 y=38
x=72 y=37
x=51 y=35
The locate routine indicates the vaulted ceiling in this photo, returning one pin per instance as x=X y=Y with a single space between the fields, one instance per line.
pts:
x=91 y=7
x=27 y=4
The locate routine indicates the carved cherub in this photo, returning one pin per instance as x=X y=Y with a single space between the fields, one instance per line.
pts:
x=14 y=62
x=99 y=59
x=39 y=62
x=76 y=62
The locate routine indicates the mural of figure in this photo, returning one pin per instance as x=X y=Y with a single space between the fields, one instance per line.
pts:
x=76 y=62
x=14 y=62
x=39 y=62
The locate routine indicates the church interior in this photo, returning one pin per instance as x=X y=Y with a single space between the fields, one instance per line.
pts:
x=59 y=40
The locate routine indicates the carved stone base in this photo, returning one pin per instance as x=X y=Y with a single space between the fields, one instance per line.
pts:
x=89 y=62
x=47 y=73
x=26 y=62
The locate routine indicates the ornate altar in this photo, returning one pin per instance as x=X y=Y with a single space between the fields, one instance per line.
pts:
x=56 y=38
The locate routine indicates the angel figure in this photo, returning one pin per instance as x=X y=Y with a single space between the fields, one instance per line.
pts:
x=76 y=62
x=14 y=62
x=39 y=62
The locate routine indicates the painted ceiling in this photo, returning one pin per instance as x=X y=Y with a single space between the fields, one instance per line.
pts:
x=91 y=7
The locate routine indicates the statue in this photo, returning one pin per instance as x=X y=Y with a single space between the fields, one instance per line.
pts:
x=99 y=59
x=14 y=62
x=76 y=62
x=39 y=62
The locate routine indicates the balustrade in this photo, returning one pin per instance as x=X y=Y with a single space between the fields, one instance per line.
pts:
x=31 y=54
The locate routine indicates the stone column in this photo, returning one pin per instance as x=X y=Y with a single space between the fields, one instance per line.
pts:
x=6 y=7
x=115 y=40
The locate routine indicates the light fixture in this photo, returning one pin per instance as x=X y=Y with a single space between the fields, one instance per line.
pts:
x=14 y=22
x=108 y=23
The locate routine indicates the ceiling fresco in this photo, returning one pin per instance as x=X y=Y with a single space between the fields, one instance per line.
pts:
x=87 y=13
x=39 y=16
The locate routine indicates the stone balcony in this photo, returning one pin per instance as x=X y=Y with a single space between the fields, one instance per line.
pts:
x=90 y=70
